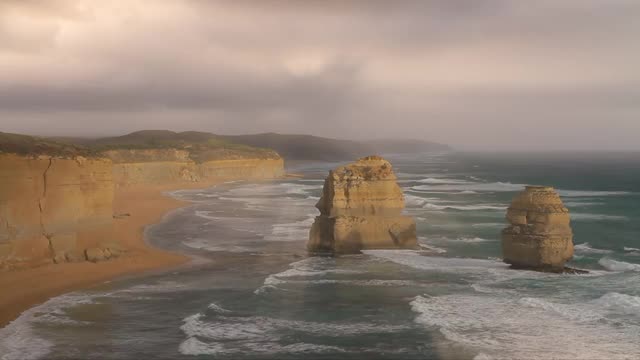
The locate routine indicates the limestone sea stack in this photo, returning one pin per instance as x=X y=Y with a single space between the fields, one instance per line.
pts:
x=539 y=236
x=361 y=208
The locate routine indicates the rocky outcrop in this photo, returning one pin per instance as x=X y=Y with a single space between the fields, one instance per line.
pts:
x=361 y=208
x=539 y=235
x=174 y=166
x=52 y=208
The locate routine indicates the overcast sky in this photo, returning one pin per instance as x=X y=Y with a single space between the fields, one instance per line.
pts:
x=476 y=74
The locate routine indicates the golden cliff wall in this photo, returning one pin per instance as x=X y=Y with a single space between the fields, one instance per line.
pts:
x=52 y=209
x=163 y=167
x=55 y=209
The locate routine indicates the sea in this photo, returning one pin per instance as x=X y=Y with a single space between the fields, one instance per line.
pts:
x=253 y=292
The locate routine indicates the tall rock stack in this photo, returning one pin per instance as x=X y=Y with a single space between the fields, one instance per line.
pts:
x=361 y=208
x=539 y=236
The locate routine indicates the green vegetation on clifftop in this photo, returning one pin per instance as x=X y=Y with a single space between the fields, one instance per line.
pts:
x=35 y=146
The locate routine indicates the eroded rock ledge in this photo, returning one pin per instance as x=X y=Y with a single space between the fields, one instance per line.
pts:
x=539 y=234
x=361 y=208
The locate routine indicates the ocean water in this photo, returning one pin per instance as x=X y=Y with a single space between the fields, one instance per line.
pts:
x=253 y=293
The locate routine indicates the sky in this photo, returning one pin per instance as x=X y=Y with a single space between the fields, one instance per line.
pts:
x=475 y=74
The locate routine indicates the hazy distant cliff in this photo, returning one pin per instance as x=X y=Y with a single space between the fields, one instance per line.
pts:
x=308 y=147
x=56 y=199
x=290 y=147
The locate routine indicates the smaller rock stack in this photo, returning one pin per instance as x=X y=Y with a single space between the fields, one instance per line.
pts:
x=539 y=236
x=361 y=208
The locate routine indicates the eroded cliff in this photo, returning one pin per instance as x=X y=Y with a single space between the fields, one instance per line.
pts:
x=361 y=208
x=53 y=208
x=56 y=199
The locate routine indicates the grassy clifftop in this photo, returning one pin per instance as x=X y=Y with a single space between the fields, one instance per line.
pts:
x=35 y=146
x=200 y=146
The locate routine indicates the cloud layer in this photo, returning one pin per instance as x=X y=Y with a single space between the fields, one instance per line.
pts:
x=489 y=74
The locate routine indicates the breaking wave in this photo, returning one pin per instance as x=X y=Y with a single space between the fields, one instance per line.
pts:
x=615 y=265
x=586 y=248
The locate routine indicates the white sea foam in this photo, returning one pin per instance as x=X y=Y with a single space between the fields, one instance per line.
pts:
x=206 y=215
x=204 y=244
x=18 y=340
x=477 y=187
x=293 y=231
x=598 y=217
x=432 y=248
x=432 y=180
x=460 y=239
x=482 y=225
x=617 y=301
x=586 y=248
x=614 y=265
x=568 y=311
x=571 y=204
x=413 y=259
x=464 y=207
x=584 y=193
x=630 y=249
x=218 y=309
x=262 y=335
x=312 y=267
x=504 y=326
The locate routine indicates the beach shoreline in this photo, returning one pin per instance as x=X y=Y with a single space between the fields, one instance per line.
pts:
x=145 y=206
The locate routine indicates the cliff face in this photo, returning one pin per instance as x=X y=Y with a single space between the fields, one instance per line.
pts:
x=60 y=209
x=52 y=208
x=539 y=235
x=361 y=208
x=172 y=166
x=56 y=199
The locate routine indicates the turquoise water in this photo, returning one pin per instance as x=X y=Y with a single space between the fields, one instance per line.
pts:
x=253 y=292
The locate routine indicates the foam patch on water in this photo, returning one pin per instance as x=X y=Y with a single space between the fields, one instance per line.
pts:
x=531 y=328
x=584 y=193
x=477 y=187
x=586 y=248
x=598 y=217
x=265 y=335
x=204 y=244
x=312 y=267
x=414 y=260
x=293 y=231
x=615 y=265
x=571 y=204
x=18 y=340
x=461 y=239
x=432 y=248
x=484 y=225
x=617 y=301
x=475 y=207
x=432 y=180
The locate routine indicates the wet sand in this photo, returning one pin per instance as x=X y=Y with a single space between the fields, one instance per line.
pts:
x=23 y=289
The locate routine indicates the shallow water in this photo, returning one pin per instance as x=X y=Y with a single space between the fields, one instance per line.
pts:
x=259 y=296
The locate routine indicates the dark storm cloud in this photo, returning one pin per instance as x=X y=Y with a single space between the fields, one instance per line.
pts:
x=435 y=69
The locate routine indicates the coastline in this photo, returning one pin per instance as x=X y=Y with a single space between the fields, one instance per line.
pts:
x=147 y=205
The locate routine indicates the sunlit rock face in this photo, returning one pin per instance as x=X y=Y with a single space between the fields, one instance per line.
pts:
x=539 y=235
x=361 y=208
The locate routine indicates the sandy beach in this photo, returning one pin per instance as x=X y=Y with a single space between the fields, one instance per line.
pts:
x=23 y=289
